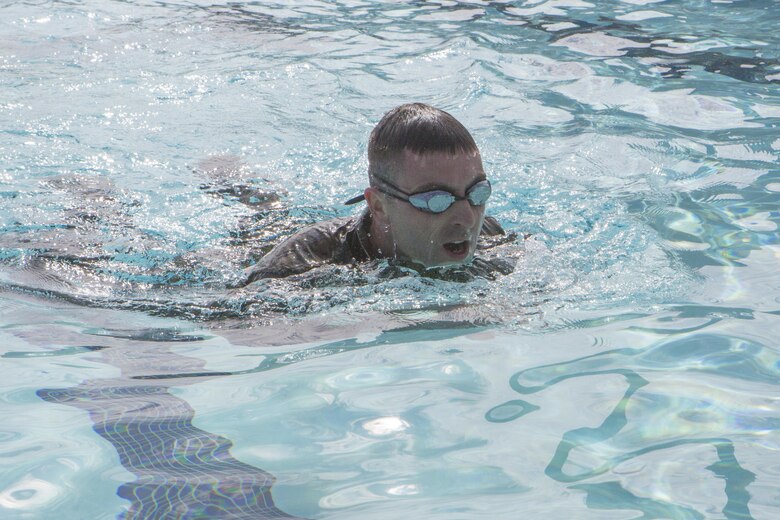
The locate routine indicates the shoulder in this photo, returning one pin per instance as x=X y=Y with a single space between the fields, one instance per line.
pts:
x=491 y=227
x=500 y=250
x=311 y=246
x=493 y=235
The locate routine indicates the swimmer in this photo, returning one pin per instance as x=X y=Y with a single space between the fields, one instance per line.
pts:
x=425 y=202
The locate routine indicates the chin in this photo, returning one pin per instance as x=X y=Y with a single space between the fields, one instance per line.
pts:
x=443 y=259
x=449 y=262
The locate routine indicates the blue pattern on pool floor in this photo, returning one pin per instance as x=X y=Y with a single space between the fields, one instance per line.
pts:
x=183 y=472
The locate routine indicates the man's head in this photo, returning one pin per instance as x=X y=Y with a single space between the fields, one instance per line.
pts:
x=416 y=149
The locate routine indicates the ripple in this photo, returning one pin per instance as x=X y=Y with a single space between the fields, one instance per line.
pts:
x=671 y=107
x=638 y=16
x=599 y=44
x=550 y=7
x=540 y=68
x=364 y=377
x=510 y=411
x=764 y=221
x=29 y=493
x=458 y=15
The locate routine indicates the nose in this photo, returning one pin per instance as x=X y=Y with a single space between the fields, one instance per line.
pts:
x=463 y=214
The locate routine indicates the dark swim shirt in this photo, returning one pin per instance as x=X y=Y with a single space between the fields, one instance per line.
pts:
x=346 y=241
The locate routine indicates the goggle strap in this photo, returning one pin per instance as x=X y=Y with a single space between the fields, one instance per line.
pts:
x=355 y=200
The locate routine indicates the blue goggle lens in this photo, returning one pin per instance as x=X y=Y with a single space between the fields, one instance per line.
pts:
x=433 y=201
x=479 y=194
x=439 y=201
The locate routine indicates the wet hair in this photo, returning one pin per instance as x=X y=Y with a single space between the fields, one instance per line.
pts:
x=416 y=127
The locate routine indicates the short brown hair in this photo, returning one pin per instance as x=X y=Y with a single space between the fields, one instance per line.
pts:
x=419 y=128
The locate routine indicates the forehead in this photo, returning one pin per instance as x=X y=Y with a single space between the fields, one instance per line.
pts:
x=439 y=169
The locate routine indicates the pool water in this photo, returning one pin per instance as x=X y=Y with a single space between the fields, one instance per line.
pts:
x=628 y=368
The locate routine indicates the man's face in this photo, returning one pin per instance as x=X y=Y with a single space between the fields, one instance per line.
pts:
x=445 y=238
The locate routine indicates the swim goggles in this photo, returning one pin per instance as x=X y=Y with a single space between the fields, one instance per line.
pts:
x=434 y=201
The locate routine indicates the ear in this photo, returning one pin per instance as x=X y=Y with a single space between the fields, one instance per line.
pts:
x=376 y=205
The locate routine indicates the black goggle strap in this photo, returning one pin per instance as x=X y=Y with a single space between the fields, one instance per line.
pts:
x=360 y=198
x=355 y=200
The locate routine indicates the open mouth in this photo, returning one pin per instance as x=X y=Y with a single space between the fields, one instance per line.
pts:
x=457 y=248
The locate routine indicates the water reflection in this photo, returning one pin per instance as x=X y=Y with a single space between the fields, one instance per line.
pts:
x=649 y=418
x=719 y=224
x=539 y=78
x=181 y=469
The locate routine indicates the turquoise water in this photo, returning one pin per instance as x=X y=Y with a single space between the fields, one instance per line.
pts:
x=629 y=368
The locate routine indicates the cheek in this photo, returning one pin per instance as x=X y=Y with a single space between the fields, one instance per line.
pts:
x=413 y=232
x=408 y=220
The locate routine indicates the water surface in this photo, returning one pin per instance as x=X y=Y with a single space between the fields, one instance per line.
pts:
x=627 y=368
